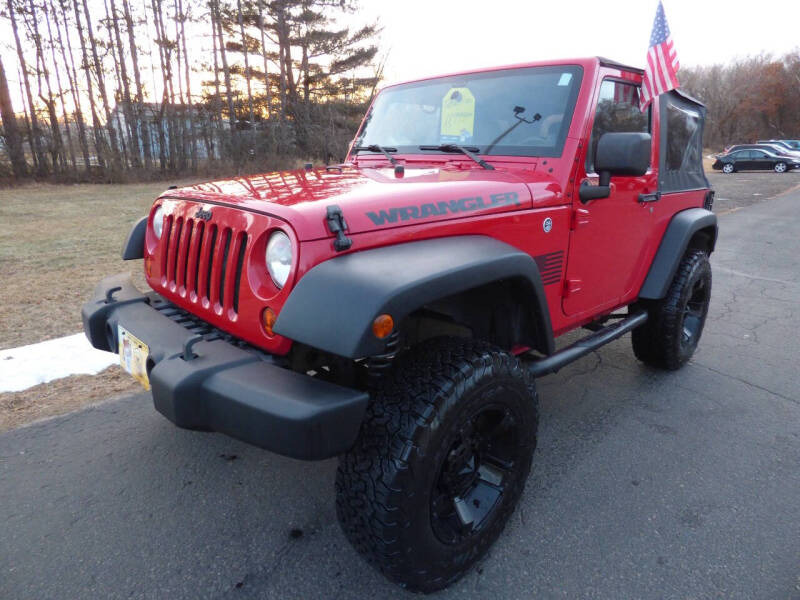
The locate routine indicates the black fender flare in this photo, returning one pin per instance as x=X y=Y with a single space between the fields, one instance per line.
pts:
x=333 y=306
x=680 y=231
x=133 y=247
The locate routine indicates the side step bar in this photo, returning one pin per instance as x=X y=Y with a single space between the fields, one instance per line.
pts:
x=551 y=364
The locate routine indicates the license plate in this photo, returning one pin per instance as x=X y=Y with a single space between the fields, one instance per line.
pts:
x=133 y=354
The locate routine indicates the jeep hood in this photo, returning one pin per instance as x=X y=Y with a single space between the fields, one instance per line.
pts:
x=370 y=198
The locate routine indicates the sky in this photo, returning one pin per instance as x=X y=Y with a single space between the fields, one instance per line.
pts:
x=428 y=37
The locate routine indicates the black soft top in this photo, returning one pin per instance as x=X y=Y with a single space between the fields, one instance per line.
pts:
x=681 y=146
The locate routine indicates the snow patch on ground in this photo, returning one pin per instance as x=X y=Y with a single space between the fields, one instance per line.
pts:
x=26 y=366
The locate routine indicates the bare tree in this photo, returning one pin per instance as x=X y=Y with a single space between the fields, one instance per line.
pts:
x=72 y=77
x=246 y=53
x=13 y=141
x=134 y=53
x=130 y=116
x=217 y=22
x=190 y=117
x=97 y=129
x=262 y=31
x=45 y=93
x=101 y=86
x=35 y=132
x=80 y=72
x=48 y=13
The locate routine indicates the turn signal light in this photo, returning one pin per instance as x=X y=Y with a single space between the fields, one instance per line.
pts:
x=382 y=326
x=268 y=318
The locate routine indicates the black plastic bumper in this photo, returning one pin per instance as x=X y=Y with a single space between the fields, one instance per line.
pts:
x=225 y=388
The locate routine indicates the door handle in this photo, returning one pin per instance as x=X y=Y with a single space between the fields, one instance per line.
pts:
x=654 y=197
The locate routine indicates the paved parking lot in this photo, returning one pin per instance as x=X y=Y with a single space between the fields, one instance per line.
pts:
x=645 y=484
x=738 y=190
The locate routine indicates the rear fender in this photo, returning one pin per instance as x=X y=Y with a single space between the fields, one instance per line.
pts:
x=696 y=227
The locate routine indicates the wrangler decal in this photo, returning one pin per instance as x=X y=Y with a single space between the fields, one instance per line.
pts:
x=468 y=204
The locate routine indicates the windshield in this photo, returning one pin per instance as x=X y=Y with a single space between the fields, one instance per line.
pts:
x=513 y=112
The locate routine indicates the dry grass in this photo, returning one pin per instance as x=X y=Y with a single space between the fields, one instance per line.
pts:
x=56 y=242
x=62 y=396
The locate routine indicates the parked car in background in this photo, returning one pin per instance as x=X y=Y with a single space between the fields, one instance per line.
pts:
x=769 y=147
x=790 y=144
x=755 y=159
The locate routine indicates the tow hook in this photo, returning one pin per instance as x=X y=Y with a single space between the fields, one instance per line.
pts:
x=110 y=294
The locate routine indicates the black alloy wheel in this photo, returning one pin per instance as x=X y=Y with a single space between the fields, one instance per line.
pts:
x=694 y=314
x=481 y=465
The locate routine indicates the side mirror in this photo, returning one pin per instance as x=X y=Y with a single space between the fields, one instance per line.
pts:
x=617 y=154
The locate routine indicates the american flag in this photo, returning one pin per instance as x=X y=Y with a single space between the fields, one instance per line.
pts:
x=661 y=73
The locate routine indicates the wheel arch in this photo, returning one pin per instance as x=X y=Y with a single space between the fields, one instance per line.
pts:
x=471 y=279
x=691 y=228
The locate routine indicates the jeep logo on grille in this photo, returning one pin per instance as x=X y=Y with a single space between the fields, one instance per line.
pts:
x=203 y=214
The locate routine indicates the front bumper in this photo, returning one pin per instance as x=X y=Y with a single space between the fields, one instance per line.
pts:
x=215 y=384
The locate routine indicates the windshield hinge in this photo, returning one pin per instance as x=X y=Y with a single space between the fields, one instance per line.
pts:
x=338 y=226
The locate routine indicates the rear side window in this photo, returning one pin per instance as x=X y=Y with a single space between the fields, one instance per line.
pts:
x=682 y=127
x=617 y=111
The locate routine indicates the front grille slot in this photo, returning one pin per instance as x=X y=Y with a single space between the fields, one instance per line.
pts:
x=239 y=264
x=175 y=248
x=183 y=255
x=210 y=259
x=166 y=235
x=226 y=236
x=198 y=245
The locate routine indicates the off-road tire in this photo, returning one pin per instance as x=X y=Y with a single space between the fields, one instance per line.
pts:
x=388 y=485
x=662 y=341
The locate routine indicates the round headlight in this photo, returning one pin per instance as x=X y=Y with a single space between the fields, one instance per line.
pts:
x=279 y=257
x=158 y=222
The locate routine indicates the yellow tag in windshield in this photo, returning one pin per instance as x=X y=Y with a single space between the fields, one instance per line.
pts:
x=458 y=115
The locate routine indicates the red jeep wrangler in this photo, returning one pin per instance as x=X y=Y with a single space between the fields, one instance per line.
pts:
x=396 y=310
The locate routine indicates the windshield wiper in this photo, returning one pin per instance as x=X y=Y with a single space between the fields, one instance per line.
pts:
x=466 y=150
x=376 y=148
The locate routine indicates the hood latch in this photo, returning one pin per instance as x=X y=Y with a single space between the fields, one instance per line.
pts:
x=337 y=226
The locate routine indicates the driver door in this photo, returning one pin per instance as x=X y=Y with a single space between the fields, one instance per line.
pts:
x=610 y=234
